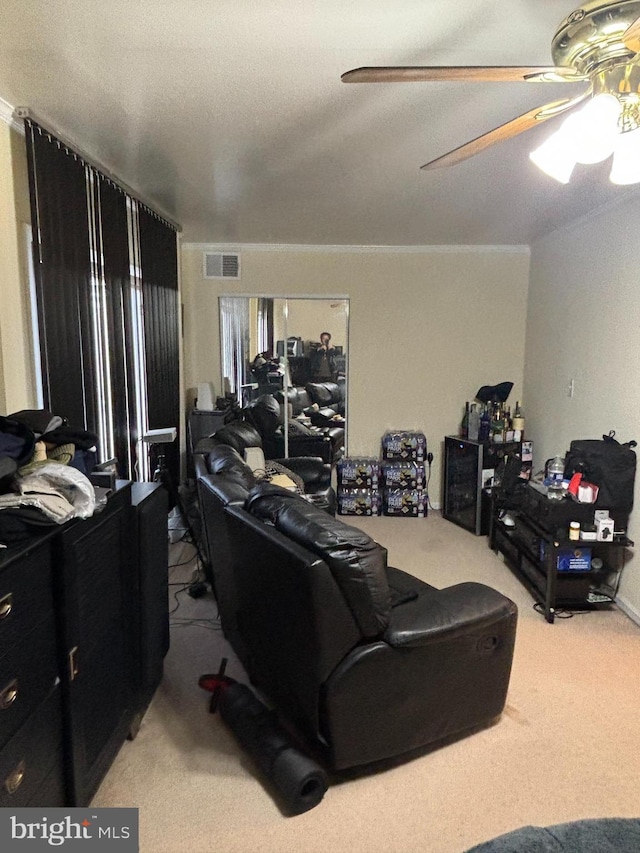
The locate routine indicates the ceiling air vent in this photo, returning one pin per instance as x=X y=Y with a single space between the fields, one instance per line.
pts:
x=221 y=265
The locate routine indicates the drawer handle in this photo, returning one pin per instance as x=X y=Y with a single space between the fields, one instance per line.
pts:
x=9 y=695
x=15 y=778
x=6 y=605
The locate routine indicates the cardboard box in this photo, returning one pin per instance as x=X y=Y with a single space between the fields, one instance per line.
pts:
x=362 y=472
x=359 y=502
x=403 y=475
x=573 y=560
x=404 y=445
x=604 y=529
x=406 y=503
x=527 y=451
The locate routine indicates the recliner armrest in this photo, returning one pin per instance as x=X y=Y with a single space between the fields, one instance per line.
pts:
x=227 y=489
x=446 y=613
x=312 y=469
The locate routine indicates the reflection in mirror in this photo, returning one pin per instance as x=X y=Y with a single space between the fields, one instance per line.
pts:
x=295 y=350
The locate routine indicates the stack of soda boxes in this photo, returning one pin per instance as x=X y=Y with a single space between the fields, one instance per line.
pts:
x=404 y=474
x=395 y=486
x=358 y=486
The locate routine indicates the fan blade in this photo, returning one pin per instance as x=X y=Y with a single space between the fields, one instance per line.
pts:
x=631 y=36
x=471 y=73
x=505 y=131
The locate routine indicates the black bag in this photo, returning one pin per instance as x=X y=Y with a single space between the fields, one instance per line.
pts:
x=609 y=465
x=509 y=485
x=17 y=440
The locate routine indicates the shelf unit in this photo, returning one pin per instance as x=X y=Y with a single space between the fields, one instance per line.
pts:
x=532 y=552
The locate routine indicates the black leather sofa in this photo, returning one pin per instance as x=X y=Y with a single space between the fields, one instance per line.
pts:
x=267 y=416
x=328 y=394
x=312 y=470
x=223 y=478
x=368 y=661
x=321 y=402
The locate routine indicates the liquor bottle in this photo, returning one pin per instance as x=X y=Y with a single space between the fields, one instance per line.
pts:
x=474 y=423
x=497 y=423
x=508 y=425
x=464 y=426
x=518 y=420
x=485 y=425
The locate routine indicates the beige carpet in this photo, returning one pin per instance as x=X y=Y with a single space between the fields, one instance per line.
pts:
x=567 y=747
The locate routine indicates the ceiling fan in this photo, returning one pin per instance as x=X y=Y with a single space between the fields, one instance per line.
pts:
x=599 y=44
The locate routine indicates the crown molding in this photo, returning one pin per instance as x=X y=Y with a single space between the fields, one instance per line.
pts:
x=338 y=249
x=8 y=117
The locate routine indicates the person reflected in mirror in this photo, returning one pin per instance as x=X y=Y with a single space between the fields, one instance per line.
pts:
x=323 y=362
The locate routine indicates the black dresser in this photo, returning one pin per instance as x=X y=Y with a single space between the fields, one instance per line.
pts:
x=31 y=740
x=83 y=632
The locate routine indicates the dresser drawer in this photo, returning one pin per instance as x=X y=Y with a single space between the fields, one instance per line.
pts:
x=25 y=595
x=28 y=671
x=52 y=792
x=31 y=762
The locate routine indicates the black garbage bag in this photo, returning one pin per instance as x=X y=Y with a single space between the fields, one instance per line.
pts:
x=17 y=441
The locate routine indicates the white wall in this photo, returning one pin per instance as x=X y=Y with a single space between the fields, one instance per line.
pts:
x=309 y=317
x=583 y=323
x=427 y=328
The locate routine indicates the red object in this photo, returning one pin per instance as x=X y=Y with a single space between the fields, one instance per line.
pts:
x=574 y=482
x=215 y=683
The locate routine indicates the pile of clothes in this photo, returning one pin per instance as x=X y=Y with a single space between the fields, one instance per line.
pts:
x=44 y=463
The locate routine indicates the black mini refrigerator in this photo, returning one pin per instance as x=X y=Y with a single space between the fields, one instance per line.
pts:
x=468 y=466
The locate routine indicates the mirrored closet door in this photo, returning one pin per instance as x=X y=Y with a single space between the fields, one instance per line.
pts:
x=294 y=349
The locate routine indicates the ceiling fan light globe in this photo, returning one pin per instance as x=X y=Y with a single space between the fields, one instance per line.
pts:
x=626 y=159
x=555 y=157
x=593 y=148
x=594 y=129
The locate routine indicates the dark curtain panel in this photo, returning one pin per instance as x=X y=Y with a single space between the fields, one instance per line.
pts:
x=96 y=250
x=158 y=260
x=62 y=265
x=112 y=203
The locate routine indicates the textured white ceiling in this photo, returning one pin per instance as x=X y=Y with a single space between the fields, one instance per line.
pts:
x=231 y=117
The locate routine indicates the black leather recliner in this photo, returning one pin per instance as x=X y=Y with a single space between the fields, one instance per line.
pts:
x=327 y=394
x=369 y=661
x=297 y=397
x=313 y=471
x=266 y=415
x=223 y=478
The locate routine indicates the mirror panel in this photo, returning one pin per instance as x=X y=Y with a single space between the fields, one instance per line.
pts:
x=273 y=346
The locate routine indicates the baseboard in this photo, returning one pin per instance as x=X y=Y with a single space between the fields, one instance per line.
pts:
x=628 y=609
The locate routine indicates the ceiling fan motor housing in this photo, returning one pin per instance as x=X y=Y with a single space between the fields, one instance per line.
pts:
x=589 y=40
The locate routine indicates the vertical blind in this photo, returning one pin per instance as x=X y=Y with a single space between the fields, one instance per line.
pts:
x=63 y=273
x=234 y=331
x=159 y=267
x=106 y=280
